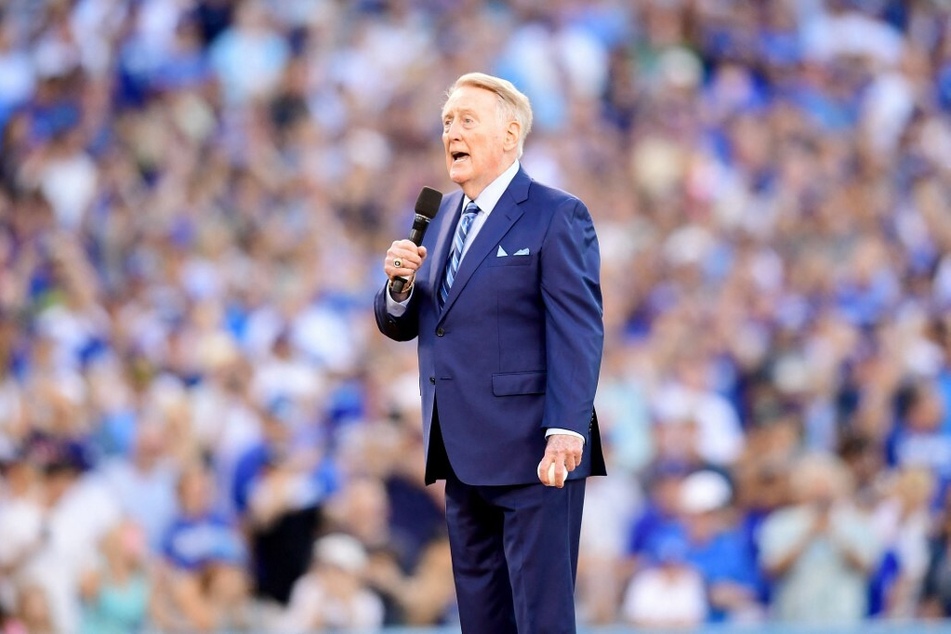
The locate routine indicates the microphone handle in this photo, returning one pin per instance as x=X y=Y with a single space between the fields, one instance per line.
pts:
x=397 y=285
x=416 y=237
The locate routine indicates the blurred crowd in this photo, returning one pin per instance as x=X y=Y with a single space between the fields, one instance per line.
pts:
x=201 y=429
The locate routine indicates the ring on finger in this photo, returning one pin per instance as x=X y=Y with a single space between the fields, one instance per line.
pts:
x=398 y=263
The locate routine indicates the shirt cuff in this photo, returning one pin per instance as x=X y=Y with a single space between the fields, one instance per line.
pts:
x=394 y=307
x=559 y=430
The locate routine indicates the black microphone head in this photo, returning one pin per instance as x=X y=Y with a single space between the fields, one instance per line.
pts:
x=427 y=204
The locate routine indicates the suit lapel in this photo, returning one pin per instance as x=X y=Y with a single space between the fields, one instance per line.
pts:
x=505 y=214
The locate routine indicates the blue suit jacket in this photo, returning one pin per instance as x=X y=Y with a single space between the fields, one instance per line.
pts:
x=517 y=347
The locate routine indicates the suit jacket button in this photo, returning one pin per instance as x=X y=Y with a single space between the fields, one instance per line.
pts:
x=440 y=332
x=432 y=380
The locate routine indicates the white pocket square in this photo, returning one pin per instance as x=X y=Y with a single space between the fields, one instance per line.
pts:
x=521 y=251
x=501 y=252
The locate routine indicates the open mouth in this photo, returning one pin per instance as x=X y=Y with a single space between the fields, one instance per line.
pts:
x=458 y=156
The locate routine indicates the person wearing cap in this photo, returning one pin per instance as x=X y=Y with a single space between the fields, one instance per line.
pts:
x=333 y=594
x=717 y=548
x=668 y=591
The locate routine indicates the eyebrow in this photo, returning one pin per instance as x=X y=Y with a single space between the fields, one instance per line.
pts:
x=445 y=113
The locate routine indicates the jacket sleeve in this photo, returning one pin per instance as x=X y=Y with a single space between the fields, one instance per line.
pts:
x=402 y=328
x=574 y=326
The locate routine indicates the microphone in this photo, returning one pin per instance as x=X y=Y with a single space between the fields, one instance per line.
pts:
x=427 y=204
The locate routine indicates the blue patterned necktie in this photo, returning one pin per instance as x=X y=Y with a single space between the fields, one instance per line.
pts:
x=458 y=244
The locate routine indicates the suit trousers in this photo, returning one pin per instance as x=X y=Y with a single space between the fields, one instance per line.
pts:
x=515 y=555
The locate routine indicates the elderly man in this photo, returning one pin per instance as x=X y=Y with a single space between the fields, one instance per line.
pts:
x=504 y=297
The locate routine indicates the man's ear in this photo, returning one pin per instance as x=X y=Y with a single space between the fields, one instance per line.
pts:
x=513 y=132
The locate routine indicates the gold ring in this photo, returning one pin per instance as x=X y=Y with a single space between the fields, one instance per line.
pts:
x=398 y=263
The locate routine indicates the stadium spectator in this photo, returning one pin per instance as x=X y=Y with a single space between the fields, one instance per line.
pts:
x=333 y=595
x=117 y=593
x=203 y=582
x=22 y=516
x=77 y=512
x=668 y=593
x=143 y=483
x=280 y=486
x=936 y=592
x=820 y=551
x=903 y=524
x=717 y=547
x=193 y=196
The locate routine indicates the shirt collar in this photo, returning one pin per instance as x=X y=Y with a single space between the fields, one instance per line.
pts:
x=490 y=196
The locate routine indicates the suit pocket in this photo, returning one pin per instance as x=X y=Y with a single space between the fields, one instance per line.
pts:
x=512 y=260
x=513 y=383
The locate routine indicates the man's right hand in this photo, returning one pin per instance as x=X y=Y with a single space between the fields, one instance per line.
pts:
x=403 y=259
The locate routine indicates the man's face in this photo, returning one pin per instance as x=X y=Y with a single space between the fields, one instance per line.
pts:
x=479 y=143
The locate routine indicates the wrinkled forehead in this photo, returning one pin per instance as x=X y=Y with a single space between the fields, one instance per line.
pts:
x=469 y=97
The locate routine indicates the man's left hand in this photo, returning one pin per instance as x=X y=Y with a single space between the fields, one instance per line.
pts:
x=563 y=451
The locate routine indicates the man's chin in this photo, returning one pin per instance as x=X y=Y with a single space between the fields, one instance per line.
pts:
x=458 y=176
